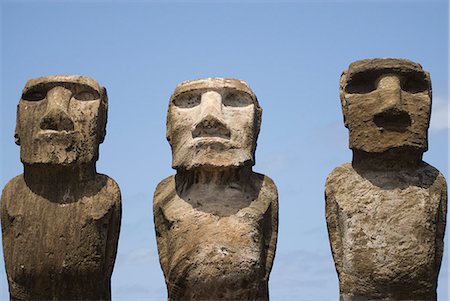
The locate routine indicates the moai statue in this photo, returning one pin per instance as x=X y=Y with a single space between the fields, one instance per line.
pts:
x=216 y=220
x=386 y=210
x=60 y=218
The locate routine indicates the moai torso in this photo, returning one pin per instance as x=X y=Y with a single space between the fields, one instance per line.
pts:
x=60 y=219
x=216 y=220
x=386 y=210
x=386 y=238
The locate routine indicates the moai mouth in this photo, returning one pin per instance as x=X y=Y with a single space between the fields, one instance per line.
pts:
x=393 y=120
x=211 y=127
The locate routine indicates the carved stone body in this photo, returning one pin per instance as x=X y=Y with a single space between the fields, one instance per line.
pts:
x=386 y=230
x=386 y=211
x=60 y=219
x=216 y=220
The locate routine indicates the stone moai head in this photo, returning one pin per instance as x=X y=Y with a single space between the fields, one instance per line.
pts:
x=386 y=104
x=213 y=123
x=61 y=119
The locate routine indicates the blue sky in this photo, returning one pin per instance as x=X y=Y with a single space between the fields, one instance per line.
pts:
x=291 y=53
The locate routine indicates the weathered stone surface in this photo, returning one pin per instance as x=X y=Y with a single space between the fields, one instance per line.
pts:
x=386 y=211
x=60 y=219
x=386 y=104
x=216 y=220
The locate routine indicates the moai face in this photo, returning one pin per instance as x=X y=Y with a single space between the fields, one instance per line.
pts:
x=386 y=104
x=213 y=122
x=61 y=119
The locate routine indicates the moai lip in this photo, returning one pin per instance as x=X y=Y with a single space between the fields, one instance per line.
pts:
x=386 y=211
x=60 y=218
x=216 y=220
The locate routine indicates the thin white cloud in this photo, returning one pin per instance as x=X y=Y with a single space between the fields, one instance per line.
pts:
x=439 y=115
x=272 y=163
x=310 y=274
x=139 y=255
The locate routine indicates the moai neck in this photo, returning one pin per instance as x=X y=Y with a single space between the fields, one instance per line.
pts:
x=393 y=159
x=57 y=173
x=233 y=177
x=59 y=183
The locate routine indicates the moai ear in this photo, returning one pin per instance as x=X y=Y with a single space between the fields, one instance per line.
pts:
x=103 y=115
x=430 y=94
x=257 y=126
x=17 y=130
x=169 y=121
x=168 y=133
x=430 y=90
x=342 y=84
x=17 y=138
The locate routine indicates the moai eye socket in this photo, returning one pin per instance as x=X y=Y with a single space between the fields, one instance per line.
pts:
x=236 y=99
x=86 y=94
x=414 y=84
x=362 y=84
x=36 y=94
x=187 y=100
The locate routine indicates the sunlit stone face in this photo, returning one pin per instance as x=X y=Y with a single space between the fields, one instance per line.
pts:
x=61 y=120
x=213 y=122
x=386 y=104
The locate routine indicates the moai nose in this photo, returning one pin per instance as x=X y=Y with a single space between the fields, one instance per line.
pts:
x=56 y=117
x=390 y=92
x=211 y=104
x=210 y=121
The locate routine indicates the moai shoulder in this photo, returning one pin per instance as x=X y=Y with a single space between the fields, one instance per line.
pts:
x=386 y=210
x=60 y=218
x=216 y=220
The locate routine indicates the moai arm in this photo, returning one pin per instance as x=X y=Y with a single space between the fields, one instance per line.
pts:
x=6 y=218
x=163 y=193
x=334 y=232
x=3 y=212
x=113 y=228
x=271 y=228
x=440 y=223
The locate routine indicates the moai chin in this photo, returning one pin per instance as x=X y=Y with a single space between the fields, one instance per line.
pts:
x=60 y=218
x=386 y=210
x=216 y=220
